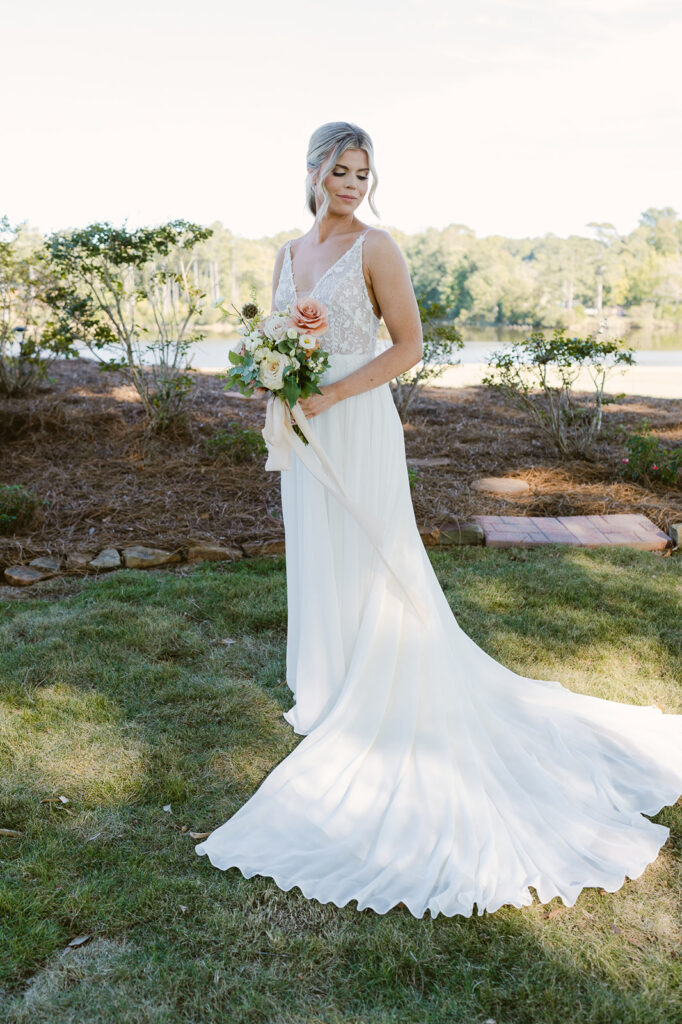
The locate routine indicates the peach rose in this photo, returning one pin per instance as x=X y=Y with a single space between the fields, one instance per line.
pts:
x=309 y=316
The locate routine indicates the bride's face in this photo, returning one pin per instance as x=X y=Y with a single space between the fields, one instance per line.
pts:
x=347 y=182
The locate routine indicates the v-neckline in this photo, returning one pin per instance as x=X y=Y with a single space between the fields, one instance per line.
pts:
x=327 y=271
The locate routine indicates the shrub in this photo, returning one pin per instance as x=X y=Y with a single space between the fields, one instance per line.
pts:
x=440 y=339
x=649 y=461
x=538 y=375
x=27 y=348
x=17 y=505
x=135 y=293
x=238 y=444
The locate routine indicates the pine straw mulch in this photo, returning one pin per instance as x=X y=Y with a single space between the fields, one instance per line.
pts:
x=82 y=444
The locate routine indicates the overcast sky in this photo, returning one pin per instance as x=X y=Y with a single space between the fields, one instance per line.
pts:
x=513 y=117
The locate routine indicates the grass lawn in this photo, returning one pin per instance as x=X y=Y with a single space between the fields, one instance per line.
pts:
x=123 y=695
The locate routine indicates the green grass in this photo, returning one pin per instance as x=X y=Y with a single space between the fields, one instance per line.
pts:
x=121 y=695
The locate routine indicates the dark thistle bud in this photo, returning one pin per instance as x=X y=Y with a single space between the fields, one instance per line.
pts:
x=249 y=310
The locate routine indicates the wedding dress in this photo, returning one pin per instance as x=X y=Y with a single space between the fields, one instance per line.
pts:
x=430 y=774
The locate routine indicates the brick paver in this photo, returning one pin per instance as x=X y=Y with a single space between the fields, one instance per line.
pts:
x=633 y=531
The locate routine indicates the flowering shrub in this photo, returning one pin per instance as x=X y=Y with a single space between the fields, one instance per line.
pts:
x=647 y=460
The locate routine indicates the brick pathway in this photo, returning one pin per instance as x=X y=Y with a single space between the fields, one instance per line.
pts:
x=633 y=531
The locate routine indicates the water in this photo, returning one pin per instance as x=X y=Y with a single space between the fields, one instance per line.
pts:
x=652 y=348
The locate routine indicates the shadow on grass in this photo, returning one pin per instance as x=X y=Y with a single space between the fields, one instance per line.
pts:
x=128 y=697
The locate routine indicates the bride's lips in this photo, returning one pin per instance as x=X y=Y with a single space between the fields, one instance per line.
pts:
x=349 y=198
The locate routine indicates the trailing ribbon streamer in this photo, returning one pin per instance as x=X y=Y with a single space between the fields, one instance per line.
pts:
x=281 y=439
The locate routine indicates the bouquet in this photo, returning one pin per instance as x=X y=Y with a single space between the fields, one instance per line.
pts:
x=280 y=351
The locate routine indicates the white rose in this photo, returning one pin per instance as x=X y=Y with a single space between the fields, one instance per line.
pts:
x=274 y=327
x=271 y=369
x=292 y=333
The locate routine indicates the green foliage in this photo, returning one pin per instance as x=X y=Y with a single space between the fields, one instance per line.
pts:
x=440 y=339
x=538 y=375
x=412 y=475
x=27 y=347
x=17 y=505
x=649 y=461
x=238 y=444
x=120 y=288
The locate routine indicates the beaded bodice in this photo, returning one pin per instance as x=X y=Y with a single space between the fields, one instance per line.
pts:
x=353 y=324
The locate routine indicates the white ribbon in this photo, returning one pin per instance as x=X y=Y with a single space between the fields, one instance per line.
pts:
x=281 y=439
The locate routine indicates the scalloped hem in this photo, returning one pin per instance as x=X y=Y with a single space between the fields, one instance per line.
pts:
x=522 y=899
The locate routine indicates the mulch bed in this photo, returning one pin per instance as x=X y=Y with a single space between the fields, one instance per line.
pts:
x=82 y=444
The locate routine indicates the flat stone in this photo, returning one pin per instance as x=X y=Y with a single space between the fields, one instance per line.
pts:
x=254 y=548
x=24 y=575
x=430 y=537
x=429 y=461
x=212 y=553
x=49 y=563
x=77 y=559
x=140 y=557
x=676 y=534
x=109 y=558
x=461 y=533
x=504 y=485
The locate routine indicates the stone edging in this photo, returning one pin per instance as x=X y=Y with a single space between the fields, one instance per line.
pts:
x=139 y=556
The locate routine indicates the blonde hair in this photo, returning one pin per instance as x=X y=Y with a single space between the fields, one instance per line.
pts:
x=326 y=145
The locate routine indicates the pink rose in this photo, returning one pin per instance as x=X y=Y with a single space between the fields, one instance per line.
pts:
x=309 y=316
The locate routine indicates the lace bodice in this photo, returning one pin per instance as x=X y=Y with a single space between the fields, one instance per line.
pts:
x=353 y=324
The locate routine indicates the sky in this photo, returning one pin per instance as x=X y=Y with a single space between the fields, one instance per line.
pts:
x=512 y=117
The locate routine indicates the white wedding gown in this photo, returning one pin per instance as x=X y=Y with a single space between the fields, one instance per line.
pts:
x=429 y=774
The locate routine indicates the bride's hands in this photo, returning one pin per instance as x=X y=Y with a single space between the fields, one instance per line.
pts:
x=315 y=404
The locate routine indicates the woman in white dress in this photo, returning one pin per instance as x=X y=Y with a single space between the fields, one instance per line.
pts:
x=430 y=775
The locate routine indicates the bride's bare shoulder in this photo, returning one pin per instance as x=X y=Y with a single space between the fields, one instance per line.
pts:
x=380 y=244
x=382 y=254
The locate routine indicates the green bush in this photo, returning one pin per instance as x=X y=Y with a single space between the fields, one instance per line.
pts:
x=17 y=506
x=539 y=375
x=238 y=444
x=649 y=461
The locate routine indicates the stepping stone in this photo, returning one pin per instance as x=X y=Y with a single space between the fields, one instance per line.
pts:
x=676 y=534
x=49 y=563
x=140 y=557
x=109 y=558
x=633 y=531
x=506 y=486
x=24 y=575
x=212 y=553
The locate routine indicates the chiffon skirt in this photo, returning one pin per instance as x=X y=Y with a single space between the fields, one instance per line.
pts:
x=430 y=774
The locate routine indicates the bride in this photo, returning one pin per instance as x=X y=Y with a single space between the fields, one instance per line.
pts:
x=429 y=774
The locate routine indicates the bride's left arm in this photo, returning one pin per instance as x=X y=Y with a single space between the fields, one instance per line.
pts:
x=392 y=286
